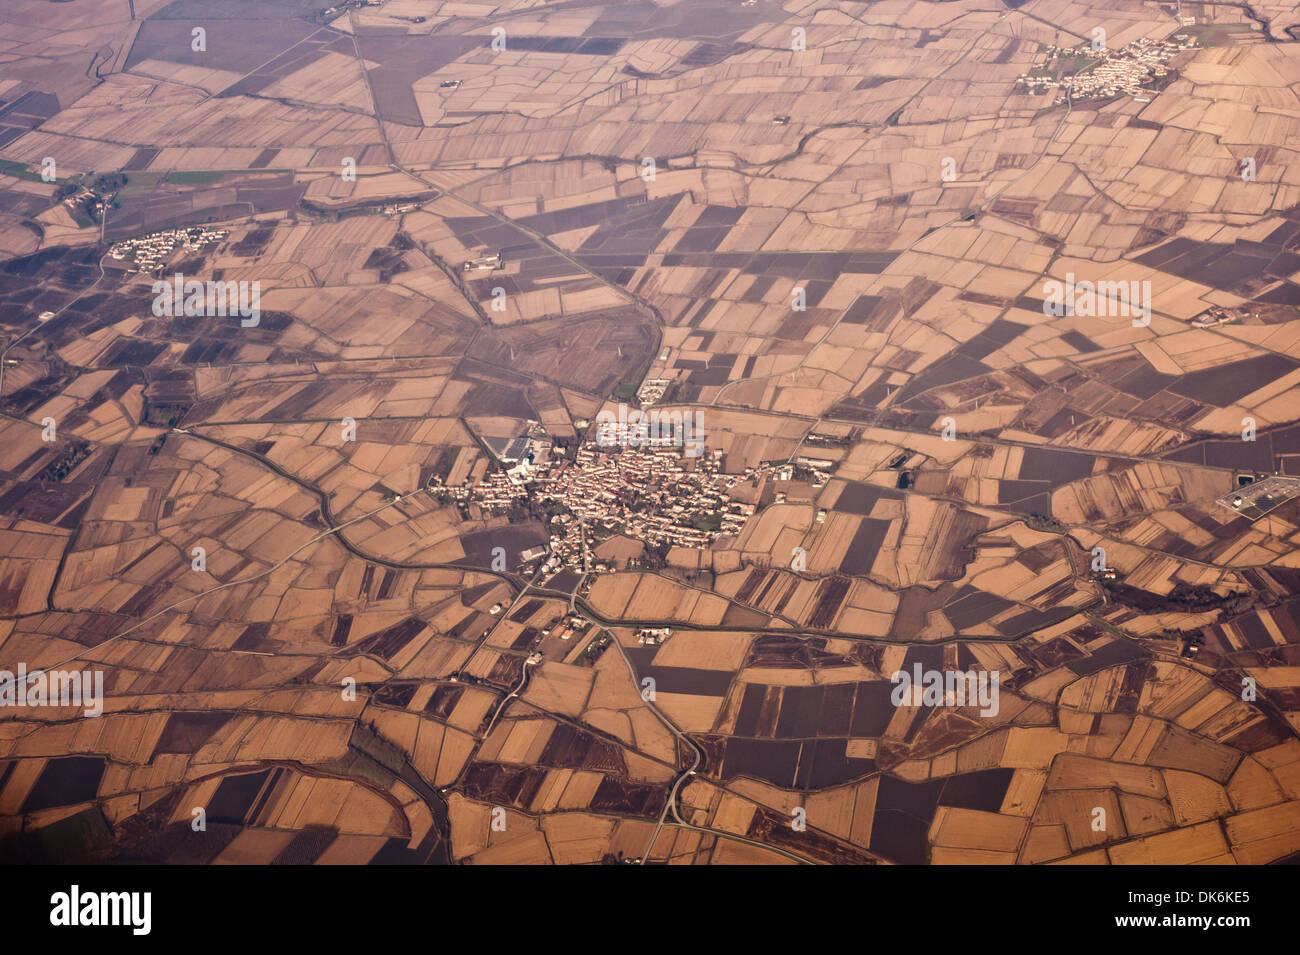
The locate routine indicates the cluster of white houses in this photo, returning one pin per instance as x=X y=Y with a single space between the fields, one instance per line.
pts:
x=1117 y=72
x=656 y=495
x=147 y=253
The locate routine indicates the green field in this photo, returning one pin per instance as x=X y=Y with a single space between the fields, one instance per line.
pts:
x=137 y=182
x=205 y=176
x=19 y=169
x=1076 y=64
x=195 y=176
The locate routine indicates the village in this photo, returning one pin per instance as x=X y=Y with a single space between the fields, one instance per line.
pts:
x=653 y=494
x=1105 y=73
x=147 y=253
